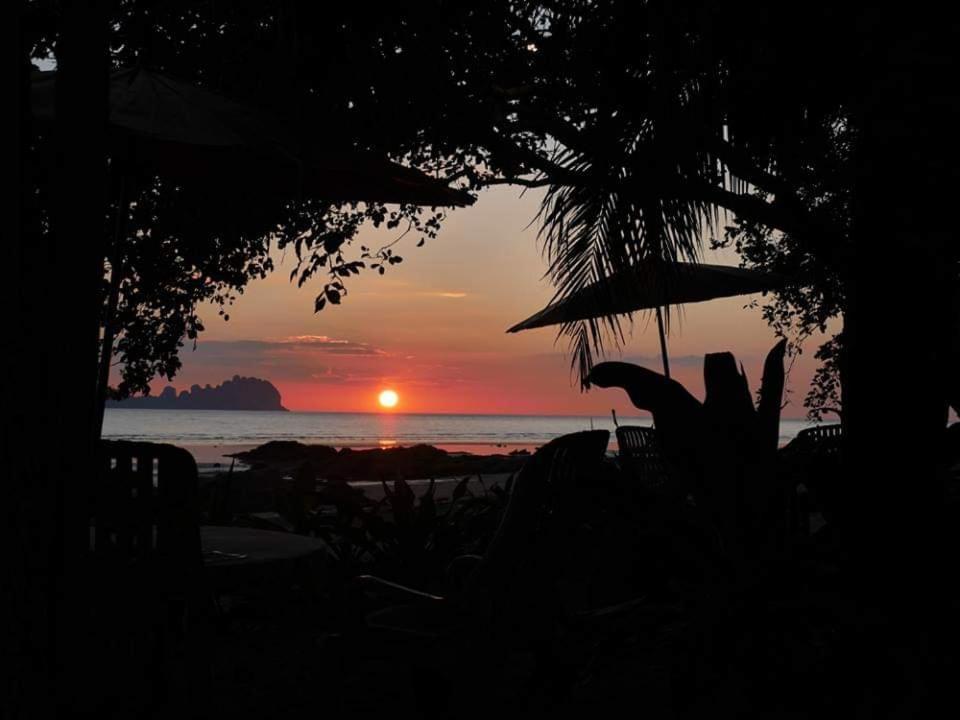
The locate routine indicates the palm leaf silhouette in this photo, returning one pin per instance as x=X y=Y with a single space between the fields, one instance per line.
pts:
x=615 y=217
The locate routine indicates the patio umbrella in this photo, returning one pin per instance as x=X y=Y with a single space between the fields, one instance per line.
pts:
x=184 y=132
x=652 y=286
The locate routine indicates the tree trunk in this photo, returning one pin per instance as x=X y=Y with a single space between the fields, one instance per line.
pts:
x=79 y=206
x=898 y=321
x=27 y=592
x=105 y=356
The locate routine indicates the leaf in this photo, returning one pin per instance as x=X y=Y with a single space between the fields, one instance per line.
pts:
x=771 y=394
x=332 y=243
x=320 y=303
x=333 y=296
x=427 y=512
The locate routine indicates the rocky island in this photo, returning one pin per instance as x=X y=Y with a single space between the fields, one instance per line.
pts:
x=239 y=393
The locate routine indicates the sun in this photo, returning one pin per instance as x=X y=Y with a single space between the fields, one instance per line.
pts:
x=388 y=399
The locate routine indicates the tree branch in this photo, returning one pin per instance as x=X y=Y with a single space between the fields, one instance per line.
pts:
x=517 y=181
x=557 y=174
x=775 y=215
x=536 y=121
x=742 y=165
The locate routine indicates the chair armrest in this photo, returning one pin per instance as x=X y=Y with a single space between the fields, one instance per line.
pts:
x=387 y=590
x=635 y=608
x=263 y=521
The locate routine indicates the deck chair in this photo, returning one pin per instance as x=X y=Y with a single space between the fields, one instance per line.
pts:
x=146 y=561
x=640 y=458
x=531 y=522
x=508 y=597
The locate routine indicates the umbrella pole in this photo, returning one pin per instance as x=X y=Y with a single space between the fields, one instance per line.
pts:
x=663 y=343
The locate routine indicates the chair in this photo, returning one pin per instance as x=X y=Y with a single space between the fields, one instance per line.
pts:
x=640 y=457
x=144 y=508
x=823 y=440
x=146 y=566
x=508 y=597
x=814 y=464
x=531 y=520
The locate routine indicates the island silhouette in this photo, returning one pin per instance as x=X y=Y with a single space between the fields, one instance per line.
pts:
x=238 y=393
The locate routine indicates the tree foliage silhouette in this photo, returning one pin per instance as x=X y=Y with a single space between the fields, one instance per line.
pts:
x=179 y=253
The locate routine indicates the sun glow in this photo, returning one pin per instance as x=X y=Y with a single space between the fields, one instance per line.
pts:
x=388 y=399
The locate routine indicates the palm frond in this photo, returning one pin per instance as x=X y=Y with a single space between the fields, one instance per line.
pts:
x=615 y=219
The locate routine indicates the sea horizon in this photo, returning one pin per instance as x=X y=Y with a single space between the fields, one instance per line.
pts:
x=381 y=413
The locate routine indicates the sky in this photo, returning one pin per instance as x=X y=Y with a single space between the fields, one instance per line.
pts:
x=433 y=329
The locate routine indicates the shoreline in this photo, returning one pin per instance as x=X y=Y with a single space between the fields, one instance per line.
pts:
x=260 y=473
x=217 y=456
x=221 y=453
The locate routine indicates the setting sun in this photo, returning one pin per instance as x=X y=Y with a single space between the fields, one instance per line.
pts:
x=388 y=399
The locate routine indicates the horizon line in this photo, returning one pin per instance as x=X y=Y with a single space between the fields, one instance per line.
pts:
x=420 y=414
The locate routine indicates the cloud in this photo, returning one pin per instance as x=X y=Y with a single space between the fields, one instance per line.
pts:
x=330 y=376
x=445 y=294
x=318 y=358
x=325 y=344
x=320 y=344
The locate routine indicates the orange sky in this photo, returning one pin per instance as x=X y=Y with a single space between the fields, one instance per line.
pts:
x=433 y=327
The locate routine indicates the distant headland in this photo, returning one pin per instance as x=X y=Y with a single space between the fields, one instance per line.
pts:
x=240 y=393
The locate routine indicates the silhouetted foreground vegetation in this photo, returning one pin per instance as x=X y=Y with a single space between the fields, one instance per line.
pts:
x=827 y=131
x=729 y=589
x=695 y=620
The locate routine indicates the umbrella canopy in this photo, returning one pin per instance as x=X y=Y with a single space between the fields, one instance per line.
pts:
x=181 y=131
x=651 y=286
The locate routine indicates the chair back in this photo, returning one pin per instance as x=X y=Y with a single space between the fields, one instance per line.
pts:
x=527 y=546
x=823 y=440
x=144 y=508
x=640 y=456
x=146 y=565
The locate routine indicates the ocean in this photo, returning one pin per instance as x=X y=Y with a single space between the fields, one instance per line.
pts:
x=210 y=433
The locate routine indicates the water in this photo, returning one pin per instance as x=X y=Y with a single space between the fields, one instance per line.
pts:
x=198 y=428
